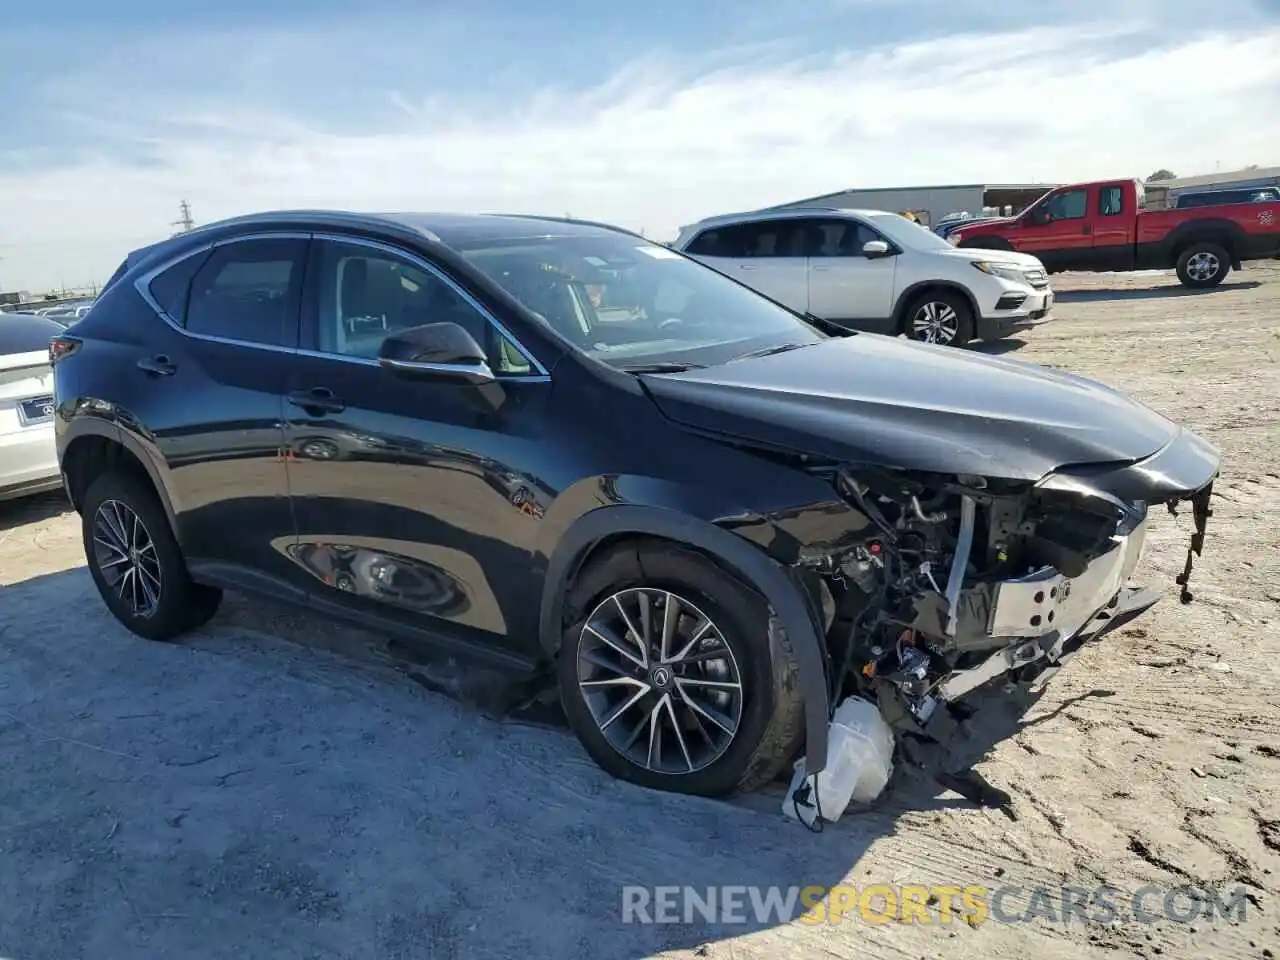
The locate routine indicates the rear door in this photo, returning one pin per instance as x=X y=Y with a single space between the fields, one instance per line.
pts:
x=766 y=255
x=1065 y=242
x=845 y=285
x=206 y=391
x=1113 y=227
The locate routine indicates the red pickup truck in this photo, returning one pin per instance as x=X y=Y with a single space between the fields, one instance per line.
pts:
x=1103 y=226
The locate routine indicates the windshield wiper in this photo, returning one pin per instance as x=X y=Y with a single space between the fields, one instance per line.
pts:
x=770 y=351
x=664 y=366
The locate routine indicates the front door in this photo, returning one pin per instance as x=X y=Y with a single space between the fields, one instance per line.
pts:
x=406 y=494
x=845 y=285
x=1065 y=241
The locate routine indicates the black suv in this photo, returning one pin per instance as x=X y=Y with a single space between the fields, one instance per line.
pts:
x=582 y=456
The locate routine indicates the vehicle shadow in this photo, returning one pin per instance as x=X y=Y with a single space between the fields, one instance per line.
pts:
x=325 y=800
x=33 y=509
x=997 y=348
x=1161 y=291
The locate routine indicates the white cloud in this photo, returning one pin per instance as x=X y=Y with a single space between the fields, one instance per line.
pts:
x=663 y=143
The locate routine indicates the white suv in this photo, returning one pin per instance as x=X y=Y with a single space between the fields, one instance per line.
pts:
x=874 y=271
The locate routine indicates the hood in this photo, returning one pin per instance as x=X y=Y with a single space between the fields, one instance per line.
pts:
x=896 y=403
x=984 y=226
x=993 y=256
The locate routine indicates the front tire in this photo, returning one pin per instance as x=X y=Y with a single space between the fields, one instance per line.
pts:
x=136 y=563
x=1203 y=265
x=942 y=317
x=675 y=676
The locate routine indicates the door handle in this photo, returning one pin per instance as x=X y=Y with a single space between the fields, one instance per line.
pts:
x=317 y=400
x=158 y=366
x=1086 y=229
x=746 y=266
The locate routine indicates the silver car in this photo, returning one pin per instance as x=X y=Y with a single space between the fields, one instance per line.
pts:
x=28 y=459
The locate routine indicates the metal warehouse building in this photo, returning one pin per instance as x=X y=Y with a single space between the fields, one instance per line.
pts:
x=931 y=204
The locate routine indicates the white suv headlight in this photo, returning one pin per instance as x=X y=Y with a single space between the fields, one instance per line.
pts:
x=1005 y=271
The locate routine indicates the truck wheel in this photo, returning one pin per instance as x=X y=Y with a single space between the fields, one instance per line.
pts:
x=674 y=675
x=1203 y=265
x=941 y=317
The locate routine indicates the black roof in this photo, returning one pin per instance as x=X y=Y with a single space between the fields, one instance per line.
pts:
x=447 y=228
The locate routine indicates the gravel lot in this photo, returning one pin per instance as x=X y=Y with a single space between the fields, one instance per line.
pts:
x=276 y=786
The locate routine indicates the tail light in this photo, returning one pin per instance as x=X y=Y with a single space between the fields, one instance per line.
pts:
x=62 y=347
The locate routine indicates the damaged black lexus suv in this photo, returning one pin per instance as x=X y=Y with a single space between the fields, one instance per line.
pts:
x=580 y=456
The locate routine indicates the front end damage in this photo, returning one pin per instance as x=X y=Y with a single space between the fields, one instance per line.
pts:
x=965 y=582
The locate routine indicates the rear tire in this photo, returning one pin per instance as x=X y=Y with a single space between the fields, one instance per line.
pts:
x=713 y=738
x=136 y=563
x=942 y=317
x=1203 y=265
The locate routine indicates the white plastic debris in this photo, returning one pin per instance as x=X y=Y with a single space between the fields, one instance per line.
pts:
x=859 y=762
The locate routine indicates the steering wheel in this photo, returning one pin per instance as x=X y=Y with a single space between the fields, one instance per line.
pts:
x=669 y=322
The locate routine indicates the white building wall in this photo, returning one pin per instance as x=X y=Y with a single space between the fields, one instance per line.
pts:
x=937 y=201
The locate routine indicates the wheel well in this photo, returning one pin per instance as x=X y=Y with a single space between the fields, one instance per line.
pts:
x=1224 y=240
x=87 y=458
x=911 y=296
x=635 y=540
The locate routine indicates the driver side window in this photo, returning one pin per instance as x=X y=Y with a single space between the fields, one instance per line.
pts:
x=365 y=294
x=1070 y=205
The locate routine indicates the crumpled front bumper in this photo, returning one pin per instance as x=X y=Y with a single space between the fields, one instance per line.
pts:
x=1045 y=612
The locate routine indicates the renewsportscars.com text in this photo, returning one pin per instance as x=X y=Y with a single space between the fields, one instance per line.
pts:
x=930 y=904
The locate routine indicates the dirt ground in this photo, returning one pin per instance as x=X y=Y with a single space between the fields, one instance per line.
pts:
x=276 y=786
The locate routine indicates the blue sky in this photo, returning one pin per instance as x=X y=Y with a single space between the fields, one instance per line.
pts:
x=647 y=113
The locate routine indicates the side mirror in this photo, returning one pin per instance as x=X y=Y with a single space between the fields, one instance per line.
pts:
x=436 y=351
x=875 y=248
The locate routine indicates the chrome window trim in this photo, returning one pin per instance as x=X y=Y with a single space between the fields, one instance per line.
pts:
x=540 y=376
x=143 y=285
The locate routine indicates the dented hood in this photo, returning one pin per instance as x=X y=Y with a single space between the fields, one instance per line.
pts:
x=890 y=401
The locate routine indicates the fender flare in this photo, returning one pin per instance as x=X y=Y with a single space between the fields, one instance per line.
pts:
x=1226 y=233
x=82 y=427
x=756 y=567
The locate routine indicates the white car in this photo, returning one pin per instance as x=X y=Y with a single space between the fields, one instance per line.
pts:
x=874 y=271
x=28 y=457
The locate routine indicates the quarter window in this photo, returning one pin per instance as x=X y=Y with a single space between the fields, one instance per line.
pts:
x=248 y=291
x=169 y=288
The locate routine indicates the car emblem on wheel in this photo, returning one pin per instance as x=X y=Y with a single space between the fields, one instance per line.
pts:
x=662 y=678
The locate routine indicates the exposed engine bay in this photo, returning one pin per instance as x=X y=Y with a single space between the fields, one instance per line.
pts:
x=966 y=580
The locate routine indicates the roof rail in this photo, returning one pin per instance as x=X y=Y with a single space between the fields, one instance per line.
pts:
x=576 y=221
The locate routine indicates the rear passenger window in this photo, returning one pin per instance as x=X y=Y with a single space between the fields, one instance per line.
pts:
x=169 y=288
x=248 y=291
x=777 y=238
x=1111 y=201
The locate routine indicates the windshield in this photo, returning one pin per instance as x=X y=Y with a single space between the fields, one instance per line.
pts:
x=631 y=303
x=907 y=234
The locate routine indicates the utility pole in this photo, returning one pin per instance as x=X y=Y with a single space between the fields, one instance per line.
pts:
x=184 y=221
